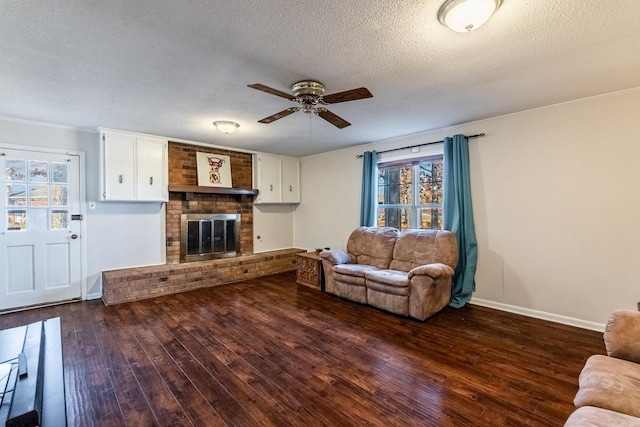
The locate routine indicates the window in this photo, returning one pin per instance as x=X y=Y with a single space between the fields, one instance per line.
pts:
x=37 y=195
x=410 y=193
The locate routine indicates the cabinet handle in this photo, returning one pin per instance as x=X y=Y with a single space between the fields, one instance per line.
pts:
x=120 y=179
x=150 y=180
x=271 y=187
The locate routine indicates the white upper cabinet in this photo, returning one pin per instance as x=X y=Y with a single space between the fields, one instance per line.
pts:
x=133 y=167
x=277 y=178
x=290 y=180
x=152 y=168
x=118 y=162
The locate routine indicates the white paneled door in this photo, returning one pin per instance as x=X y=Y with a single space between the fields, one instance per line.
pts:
x=40 y=251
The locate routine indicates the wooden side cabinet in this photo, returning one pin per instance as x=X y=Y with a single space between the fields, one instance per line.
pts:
x=309 y=272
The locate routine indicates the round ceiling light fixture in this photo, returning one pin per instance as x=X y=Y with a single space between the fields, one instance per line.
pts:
x=226 y=126
x=463 y=16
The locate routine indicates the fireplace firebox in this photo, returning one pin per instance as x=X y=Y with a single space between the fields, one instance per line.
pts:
x=209 y=236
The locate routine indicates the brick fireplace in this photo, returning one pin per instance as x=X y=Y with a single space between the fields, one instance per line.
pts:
x=185 y=197
x=182 y=171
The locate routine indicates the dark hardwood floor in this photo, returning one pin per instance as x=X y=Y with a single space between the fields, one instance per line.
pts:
x=269 y=352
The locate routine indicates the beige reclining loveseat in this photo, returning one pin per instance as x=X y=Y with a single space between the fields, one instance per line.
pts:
x=408 y=273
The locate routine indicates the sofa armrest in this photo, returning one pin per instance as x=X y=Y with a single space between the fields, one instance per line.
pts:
x=435 y=271
x=622 y=335
x=336 y=257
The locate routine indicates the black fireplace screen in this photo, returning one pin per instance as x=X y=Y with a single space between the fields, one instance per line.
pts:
x=208 y=236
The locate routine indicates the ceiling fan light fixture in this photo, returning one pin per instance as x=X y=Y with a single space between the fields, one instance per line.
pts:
x=467 y=15
x=225 y=126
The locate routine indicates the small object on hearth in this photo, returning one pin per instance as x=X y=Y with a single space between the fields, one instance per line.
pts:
x=22 y=366
x=327 y=249
x=318 y=249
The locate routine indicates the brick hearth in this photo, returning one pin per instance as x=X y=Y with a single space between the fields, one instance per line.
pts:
x=131 y=284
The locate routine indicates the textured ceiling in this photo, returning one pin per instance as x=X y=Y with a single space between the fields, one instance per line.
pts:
x=171 y=67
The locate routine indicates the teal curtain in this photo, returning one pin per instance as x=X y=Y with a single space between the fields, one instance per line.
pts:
x=458 y=217
x=368 y=198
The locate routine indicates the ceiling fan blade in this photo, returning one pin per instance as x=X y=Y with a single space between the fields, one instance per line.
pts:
x=347 y=95
x=272 y=91
x=277 y=116
x=337 y=121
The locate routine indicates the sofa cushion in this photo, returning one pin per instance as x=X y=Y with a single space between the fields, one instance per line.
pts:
x=588 y=416
x=357 y=270
x=395 y=278
x=419 y=247
x=351 y=274
x=372 y=245
x=610 y=383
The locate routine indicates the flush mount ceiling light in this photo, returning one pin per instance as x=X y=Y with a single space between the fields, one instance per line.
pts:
x=226 y=126
x=467 y=15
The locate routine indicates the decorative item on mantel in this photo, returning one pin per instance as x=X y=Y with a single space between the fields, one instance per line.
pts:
x=214 y=170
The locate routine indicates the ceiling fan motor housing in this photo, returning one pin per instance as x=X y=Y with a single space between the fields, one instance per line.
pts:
x=308 y=87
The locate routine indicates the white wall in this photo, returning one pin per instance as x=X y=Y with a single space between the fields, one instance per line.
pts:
x=118 y=234
x=555 y=193
x=272 y=227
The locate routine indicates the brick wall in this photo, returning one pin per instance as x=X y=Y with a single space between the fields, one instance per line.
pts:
x=182 y=171
x=182 y=165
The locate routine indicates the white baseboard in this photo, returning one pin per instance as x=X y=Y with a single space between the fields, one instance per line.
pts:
x=599 y=327
x=96 y=295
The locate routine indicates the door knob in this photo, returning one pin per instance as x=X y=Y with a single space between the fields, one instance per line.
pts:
x=74 y=236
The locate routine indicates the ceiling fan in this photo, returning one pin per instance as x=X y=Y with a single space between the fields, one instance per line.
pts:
x=309 y=94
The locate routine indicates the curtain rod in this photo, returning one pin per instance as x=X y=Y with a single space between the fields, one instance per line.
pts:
x=478 y=135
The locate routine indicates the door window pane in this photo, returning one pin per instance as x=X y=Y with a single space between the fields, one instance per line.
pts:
x=38 y=219
x=38 y=171
x=59 y=220
x=59 y=195
x=16 y=195
x=59 y=173
x=16 y=219
x=39 y=195
x=16 y=170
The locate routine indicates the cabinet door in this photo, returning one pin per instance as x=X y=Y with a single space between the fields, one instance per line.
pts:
x=269 y=179
x=119 y=166
x=151 y=169
x=290 y=180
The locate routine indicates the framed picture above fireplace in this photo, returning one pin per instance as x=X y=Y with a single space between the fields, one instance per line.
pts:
x=214 y=170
